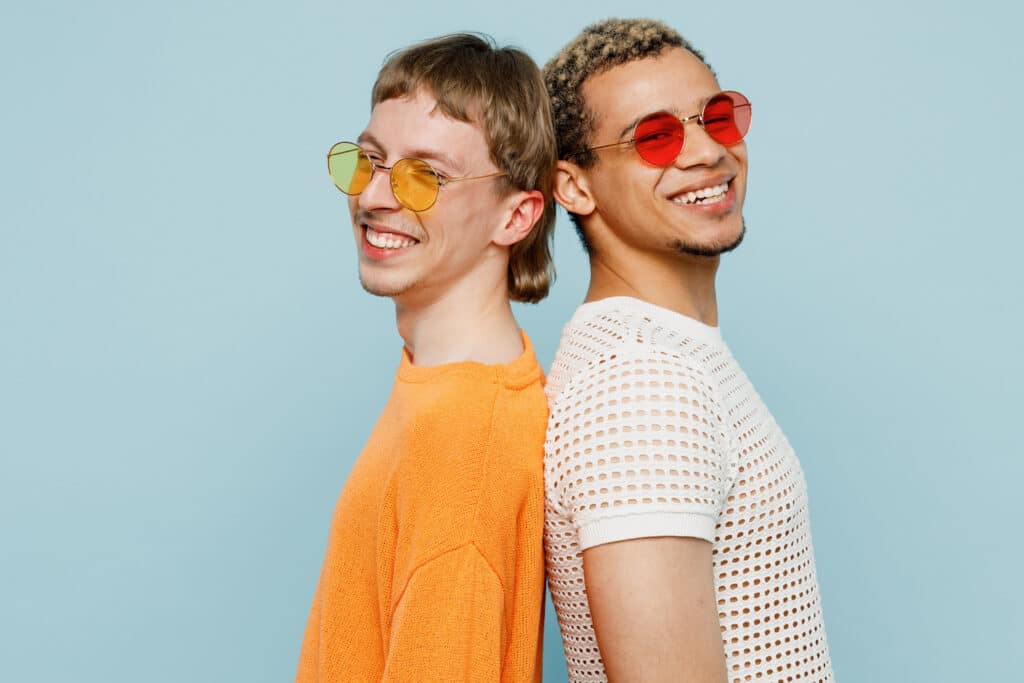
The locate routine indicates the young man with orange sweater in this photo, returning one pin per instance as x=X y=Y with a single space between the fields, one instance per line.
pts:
x=434 y=566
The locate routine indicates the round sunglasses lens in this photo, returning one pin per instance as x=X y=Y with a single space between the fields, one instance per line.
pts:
x=349 y=167
x=659 y=139
x=727 y=117
x=415 y=184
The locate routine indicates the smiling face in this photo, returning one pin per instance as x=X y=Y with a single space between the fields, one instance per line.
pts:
x=692 y=207
x=404 y=253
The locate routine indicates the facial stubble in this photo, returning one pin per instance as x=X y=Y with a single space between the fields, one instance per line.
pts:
x=709 y=251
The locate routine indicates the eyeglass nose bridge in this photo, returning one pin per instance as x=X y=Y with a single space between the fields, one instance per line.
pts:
x=375 y=168
x=699 y=118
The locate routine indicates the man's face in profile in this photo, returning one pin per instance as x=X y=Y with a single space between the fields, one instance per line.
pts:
x=403 y=252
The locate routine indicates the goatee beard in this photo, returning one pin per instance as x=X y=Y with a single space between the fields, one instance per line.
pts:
x=705 y=251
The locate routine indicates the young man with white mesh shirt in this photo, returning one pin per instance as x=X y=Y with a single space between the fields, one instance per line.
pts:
x=676 y=523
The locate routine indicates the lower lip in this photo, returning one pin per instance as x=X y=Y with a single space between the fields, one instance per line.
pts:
x=380 y=253
x=721 y=206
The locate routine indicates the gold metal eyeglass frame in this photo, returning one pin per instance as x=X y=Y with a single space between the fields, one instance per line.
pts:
x=375 y=167
x=699 y=118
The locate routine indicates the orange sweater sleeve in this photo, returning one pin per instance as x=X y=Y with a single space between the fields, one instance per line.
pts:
x=464 y=641
x=309 y=655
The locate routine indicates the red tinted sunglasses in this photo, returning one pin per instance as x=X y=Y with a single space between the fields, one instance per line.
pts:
x=658 y=138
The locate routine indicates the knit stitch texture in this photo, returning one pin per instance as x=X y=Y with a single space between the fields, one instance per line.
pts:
x=434 y=569
x=656 y=431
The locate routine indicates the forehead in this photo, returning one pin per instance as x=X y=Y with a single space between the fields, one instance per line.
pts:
x=416 y=126
x=675 y=81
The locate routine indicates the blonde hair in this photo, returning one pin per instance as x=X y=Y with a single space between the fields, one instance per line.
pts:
x=502 y=90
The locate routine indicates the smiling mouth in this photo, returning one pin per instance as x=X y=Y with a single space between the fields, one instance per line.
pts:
x=705 y=195
x=387 y=240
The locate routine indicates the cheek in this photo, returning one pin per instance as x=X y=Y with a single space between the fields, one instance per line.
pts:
x=474 y=216
x=629 y=204
x=626 y=188
x=739 y=153
x=450 y=228
x=740 y=156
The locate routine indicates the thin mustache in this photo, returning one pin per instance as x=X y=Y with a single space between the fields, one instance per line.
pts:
x=364 y=216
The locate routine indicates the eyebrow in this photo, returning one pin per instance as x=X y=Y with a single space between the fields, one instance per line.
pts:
x=674 y=112
x=422 y=153
x=436 y=155
x=632 y=124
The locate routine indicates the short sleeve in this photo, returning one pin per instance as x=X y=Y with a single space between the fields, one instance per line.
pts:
x=636 y=448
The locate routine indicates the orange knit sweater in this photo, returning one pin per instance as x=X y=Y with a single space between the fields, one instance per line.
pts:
x=434 y=568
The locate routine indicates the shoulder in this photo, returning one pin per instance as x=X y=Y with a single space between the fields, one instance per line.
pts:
x=633 y=376
x=473 y=460
x=646 y=399
x=637 y=445
x=449 y=430
x=632 y=393
x=605 y=336
x=462 y=428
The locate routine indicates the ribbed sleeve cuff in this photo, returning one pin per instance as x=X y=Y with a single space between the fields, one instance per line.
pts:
x=646 y=525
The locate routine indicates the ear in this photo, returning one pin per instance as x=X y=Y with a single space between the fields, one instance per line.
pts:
x=527 y=208
x=572 y=189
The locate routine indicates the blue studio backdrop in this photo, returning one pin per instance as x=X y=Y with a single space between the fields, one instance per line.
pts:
x=188 y=366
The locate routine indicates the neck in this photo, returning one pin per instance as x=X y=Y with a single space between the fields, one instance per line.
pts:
x=684 y=284
x=469 y=321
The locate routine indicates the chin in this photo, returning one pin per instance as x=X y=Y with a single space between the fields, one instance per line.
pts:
x=711 y=248
x=384 y=286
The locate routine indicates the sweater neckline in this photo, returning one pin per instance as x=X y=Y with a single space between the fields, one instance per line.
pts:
x=522 y=371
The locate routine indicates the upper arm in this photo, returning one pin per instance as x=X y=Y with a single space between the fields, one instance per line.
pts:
x=652 y=601
x=639 y=461
x=309 y=654
x=449 y=621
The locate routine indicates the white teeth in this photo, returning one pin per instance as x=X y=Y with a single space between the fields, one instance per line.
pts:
x=705 y=195
x=387 y=241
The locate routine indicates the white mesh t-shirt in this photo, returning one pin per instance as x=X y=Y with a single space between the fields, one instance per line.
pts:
x=655 y=431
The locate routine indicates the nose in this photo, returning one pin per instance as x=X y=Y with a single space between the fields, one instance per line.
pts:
x=699 y=148
x=377 y=195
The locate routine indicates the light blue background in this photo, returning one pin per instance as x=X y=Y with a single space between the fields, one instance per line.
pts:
x=188 y=366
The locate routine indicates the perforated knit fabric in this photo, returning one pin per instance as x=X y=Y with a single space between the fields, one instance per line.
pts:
x=654 y=430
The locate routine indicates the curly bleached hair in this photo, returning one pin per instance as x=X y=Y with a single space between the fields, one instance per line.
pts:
x=598 y=48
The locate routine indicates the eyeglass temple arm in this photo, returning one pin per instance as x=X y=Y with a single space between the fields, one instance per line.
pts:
x=695 y=117
x=476 y=177
x=381 y=167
